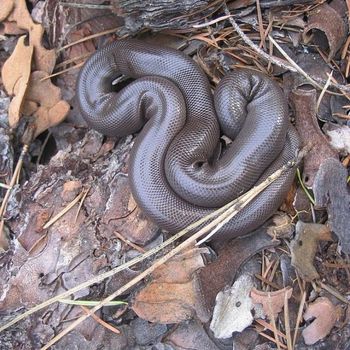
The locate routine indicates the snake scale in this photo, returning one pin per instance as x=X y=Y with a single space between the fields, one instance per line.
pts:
x=177 y=175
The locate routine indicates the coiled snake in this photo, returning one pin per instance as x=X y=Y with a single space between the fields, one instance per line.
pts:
x=176 y=173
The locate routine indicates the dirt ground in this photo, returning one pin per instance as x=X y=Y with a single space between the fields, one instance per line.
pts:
x=83 y=267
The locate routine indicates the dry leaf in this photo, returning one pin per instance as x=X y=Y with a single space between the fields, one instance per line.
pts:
x=47 y=117
x=174 y=295
x=325 y=314
x=43 y=100
x=6 y=8
x=232 y=312
x=304 y=245
x=230 y=257
x=272 y=302
x=10 y=28
x=42 y=92
x=15 y=75
x=44 y=59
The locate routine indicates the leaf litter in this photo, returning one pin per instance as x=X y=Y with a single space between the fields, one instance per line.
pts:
x=61 y=216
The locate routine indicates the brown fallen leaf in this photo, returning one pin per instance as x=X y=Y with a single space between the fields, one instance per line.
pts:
x=173 y=295
x=325 y=314
x=272 y=302
x=6 y=8
x=15 y=75
x=10 y=28
x=42 y=92
x=230 y=257
x=43 y=99
x=303 y=248
x=46 y=117
x=44 y=59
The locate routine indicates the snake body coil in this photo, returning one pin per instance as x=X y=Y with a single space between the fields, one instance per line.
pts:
x=176 y=173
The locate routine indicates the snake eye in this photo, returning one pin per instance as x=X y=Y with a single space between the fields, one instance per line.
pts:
x=198 y=164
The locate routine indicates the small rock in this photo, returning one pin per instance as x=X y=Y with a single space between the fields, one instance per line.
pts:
x=71 y=190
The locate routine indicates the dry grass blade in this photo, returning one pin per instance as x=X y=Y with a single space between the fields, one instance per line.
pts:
x=273 y=321
x=65 y=210
x=259 y=51
x=324 y=90
x=86 y=6
x=240 y=203
x=269 y=327
x=89 y=37
x=286 y=323
x=101 y=322
x=299 y=317
x=294 y=65
x=85 y=193
x=42 y=148
x=266 y=281
x=209 y=23
x=271 y=339
x=63 y=71
x=13 y=181
x=273 y=272
x=126 y=241
x=5 y=186
x=72 y=60
x=261 y=26
x=334 y=292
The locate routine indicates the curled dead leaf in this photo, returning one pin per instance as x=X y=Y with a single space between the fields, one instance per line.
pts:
x=325 y=314
x=272 y=302
x=51 y=116
x=304 y=245
x=15 y=75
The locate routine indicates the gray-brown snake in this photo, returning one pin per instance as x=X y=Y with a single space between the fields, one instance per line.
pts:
x=176 y=173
